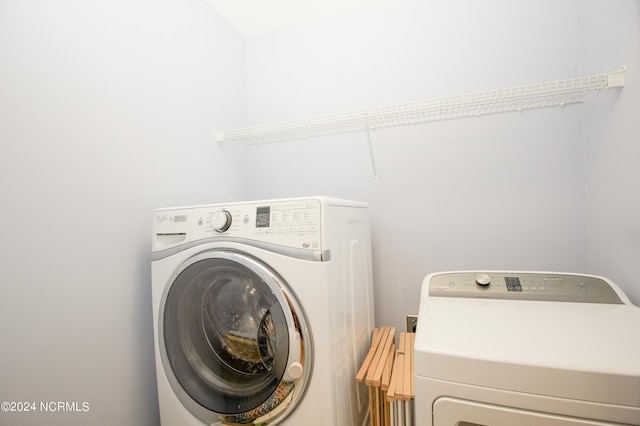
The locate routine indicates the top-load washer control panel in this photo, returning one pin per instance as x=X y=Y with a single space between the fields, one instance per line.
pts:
x=291 y=223
x=524 y=286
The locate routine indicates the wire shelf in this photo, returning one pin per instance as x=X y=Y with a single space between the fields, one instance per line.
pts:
x=555 y=93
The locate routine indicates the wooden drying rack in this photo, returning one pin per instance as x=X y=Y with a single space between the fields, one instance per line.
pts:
x=388 y=374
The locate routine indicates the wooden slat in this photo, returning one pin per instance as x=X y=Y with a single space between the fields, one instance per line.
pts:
x=413 y=377
x=376 y=404
x=399 y=369
x=396 y=386
x=377 y=336
x=371 y=408
x=388 y=368
x=374 y=373
x=391 y=392
x=408 y=372
x=386 y=378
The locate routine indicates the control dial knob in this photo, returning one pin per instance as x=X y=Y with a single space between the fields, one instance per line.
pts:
x=221 y=220
x=483 y=280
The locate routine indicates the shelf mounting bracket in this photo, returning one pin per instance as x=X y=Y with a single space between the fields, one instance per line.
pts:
x=616 y=78
x=367 y=132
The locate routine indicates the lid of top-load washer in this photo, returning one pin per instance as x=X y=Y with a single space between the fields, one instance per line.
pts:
x=542 y=340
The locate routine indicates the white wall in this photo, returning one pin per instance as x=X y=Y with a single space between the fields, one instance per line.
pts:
x=106 y=112
x=503 y=191
x=610 y=34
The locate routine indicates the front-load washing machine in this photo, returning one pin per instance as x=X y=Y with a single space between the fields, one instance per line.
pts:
x=526 y=348
x=262 y=312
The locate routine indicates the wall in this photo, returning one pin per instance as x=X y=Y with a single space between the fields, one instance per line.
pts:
x=107 y=111
x=504 y=191
x=610 y=34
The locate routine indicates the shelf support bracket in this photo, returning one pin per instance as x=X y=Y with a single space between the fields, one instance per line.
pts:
x=616 y=78
x=367 y=132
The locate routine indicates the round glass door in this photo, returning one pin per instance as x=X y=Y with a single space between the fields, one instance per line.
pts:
x=234 y=338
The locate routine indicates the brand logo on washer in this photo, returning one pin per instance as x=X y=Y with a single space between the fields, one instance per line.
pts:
x=552 y=279
x=306 y=245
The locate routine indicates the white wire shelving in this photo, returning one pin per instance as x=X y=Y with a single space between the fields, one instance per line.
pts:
x=554 y=93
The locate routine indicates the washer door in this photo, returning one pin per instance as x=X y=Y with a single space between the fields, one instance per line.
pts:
x=234 y=340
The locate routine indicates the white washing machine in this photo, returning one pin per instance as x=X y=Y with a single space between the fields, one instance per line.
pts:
x=526 y=348
x=262 y=312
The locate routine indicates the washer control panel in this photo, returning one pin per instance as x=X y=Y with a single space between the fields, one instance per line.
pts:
x=523 y=286
x=289 y=223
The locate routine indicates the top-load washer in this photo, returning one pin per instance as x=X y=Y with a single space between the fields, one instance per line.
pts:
x=526 y=348
x=262 y=312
